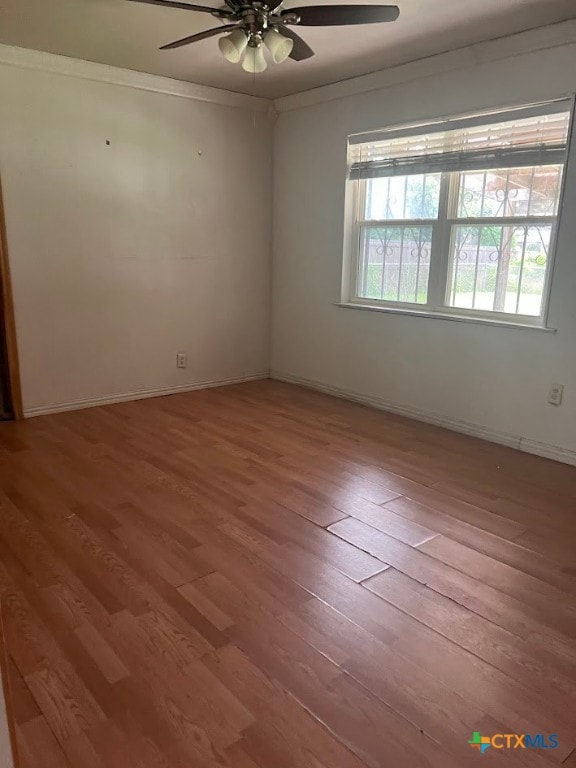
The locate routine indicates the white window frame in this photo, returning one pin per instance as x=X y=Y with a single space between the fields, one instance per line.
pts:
x=442 y=250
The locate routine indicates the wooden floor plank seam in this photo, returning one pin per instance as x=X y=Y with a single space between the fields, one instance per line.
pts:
x=264 y=575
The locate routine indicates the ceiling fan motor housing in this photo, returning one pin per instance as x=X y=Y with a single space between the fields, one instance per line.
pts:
x=256 y=19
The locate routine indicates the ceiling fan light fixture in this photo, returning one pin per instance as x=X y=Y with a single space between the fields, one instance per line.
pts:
x=254 y=61
x=279 y=45
x=253 y=22
x=233 y=45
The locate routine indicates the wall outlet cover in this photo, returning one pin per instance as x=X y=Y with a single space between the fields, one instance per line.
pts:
x=556 y=393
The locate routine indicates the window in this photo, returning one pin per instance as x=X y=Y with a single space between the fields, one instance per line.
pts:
x=459 y=217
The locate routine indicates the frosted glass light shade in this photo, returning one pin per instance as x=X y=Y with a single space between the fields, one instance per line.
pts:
x=279 y=46
x=254 y=60
x=233 y=45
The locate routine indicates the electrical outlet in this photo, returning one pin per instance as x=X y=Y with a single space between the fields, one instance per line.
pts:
x=181 y=360
x=555 y=394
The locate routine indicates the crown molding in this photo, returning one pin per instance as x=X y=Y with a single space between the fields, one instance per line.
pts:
x=25 y=58
x=542 y=38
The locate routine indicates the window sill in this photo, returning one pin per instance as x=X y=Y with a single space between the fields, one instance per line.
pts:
x=438 y=315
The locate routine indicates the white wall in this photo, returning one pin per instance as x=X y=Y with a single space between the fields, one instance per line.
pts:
x=489 y=380
x=124 y=254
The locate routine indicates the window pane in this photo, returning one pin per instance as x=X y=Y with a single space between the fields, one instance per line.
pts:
x=510 y=192
x=395 y=263
x=500 y=268
x=403 y=197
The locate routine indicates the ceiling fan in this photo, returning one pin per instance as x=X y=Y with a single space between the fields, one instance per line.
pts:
x=251 y=23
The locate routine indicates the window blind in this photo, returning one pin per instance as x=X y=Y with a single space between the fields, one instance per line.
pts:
x=520 y=138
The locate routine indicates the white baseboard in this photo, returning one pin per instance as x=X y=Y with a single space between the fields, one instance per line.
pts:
x=141 y=394
x=564 y=455
x=547 y=451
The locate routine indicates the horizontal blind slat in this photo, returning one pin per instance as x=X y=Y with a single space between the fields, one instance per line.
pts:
x=549 y=109
x=470 y=161
x=539 y=140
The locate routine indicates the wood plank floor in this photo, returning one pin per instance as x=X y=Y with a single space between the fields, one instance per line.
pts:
x=261 y=576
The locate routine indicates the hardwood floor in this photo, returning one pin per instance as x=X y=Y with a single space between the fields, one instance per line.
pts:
x=261 y=576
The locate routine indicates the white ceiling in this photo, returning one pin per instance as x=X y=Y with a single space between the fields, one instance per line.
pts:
x=128 y=35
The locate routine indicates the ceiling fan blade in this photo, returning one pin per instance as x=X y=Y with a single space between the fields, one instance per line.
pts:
x=199 y=36
x=334 y=15
x=184 y=6
x=301 y=49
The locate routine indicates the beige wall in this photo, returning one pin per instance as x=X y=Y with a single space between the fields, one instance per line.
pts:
x=124 y=254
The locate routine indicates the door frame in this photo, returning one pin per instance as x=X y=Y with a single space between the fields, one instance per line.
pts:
x=6 y=691
x=7 y=321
